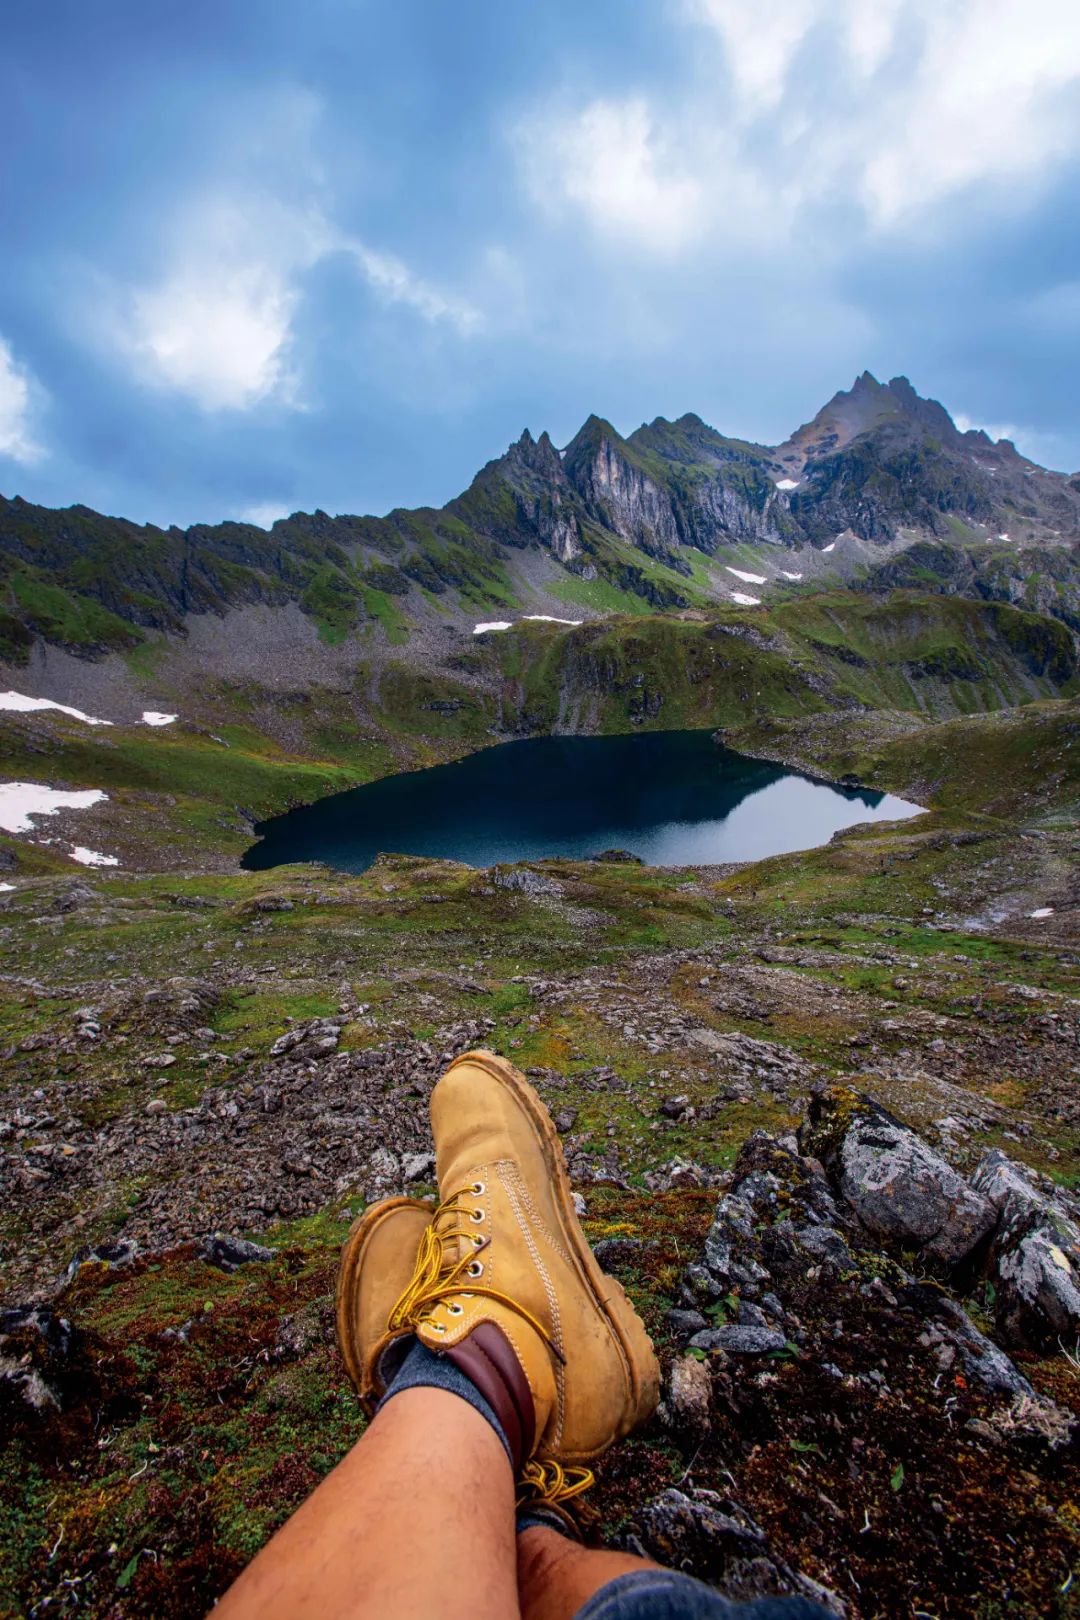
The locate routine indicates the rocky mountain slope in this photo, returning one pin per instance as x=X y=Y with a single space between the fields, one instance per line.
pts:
x=654 y=519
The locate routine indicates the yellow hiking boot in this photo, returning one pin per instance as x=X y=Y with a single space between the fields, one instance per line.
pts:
x=377 y=1261
x=506 y=1285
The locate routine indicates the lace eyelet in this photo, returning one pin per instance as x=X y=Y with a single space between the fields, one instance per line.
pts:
x=476 y=1215
x=479 y=1241
x=476 y=1268
x=456 y=1310
x=478 y=1189
x=437 y=1327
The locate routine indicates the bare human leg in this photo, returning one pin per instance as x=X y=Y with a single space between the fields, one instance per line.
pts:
x=556 y=1577
x=418 y=1520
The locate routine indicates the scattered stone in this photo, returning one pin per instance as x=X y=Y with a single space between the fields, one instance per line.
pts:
x=736 y=1340
x=524 y=880
x=229 y=1253
x=683 y=1323
x=689 y=1396
x=417 y=1167
x=313 y=1040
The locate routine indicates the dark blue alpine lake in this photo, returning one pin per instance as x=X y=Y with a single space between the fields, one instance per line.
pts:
x=675 y=798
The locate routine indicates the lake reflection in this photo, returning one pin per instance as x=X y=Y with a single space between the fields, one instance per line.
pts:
x=674 y=798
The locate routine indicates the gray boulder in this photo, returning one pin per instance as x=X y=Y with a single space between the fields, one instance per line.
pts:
x=714 y=1537
x=896 y=1184
x=1034 y=1258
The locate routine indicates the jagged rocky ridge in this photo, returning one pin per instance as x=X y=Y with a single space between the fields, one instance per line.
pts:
x=878 y=461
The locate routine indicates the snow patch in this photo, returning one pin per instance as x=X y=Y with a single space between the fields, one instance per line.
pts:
x=507 y=624
x=830 y=547
x=787 y=483
x=6 y=887
x=91 y=857
x=788 y=575
x=21 y=800
x=750 y=579
x=18 y=703
x=153 y=717
x=1043 y=911
x=1005 y=537
x=744 y=600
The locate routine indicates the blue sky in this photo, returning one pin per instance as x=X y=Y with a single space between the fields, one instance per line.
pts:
x=261 y=256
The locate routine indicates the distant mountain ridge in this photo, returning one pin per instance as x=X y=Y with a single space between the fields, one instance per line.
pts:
x=642 y=517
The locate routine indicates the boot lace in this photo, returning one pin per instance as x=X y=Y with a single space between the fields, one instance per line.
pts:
x=549 y=1484
x=438 y=1278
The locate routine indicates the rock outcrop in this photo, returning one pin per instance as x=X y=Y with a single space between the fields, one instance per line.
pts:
x=1034 y=1258
x=897 y=1185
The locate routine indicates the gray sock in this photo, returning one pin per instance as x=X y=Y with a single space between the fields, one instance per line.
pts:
x=423 y=1369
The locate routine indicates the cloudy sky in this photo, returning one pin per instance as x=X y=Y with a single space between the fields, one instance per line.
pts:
x=261 y=256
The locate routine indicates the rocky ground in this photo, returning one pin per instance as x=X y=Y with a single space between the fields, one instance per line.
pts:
x=205 y=1078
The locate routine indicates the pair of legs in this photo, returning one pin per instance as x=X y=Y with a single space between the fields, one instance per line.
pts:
x=417 y=1522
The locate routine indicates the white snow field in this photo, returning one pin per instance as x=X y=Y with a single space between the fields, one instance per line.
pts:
x=91 y=857
x=18 y=703
x=21 y=800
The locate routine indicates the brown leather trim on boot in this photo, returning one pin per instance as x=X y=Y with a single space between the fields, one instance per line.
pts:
x=487 y=1359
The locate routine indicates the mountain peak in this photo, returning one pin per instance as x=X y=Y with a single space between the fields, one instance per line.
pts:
x=867 y=404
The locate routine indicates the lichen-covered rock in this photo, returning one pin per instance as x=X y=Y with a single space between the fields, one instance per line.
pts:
x=1034 y=1258
x=688 y=1402
x=897 y=1185
x=954 y=1337
x=739 y=1340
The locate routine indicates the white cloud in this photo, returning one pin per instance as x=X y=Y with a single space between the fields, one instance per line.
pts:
x=611 y=162
x=264 y=514
x=16 y=389
x=987 y=102
x=881 y=108
x=219 y=334
x=925 y=97
x=400 y=285
x=998 y=430
x=218 y=326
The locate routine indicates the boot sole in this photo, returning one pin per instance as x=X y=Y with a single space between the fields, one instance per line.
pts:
x=607 y=1293
x=353 y=1252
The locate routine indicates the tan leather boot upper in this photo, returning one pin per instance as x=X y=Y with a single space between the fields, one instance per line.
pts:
x=506 y=1249
x=378 y=1260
